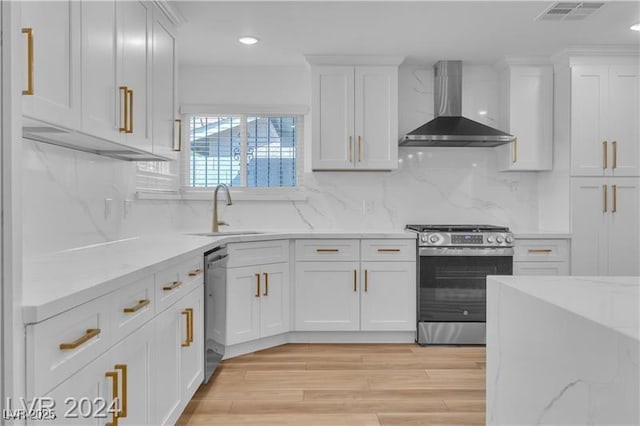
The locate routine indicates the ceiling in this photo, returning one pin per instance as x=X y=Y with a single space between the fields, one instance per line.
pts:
x=422 y=31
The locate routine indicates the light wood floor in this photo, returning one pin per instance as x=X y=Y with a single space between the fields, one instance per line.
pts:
x=346 y=385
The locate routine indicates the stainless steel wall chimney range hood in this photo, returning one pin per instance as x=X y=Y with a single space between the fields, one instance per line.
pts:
x=449 y=128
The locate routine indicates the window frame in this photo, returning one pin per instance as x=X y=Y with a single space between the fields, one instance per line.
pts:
x=288 y=193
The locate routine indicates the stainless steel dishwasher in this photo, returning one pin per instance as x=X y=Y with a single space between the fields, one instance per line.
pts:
x=215 y=283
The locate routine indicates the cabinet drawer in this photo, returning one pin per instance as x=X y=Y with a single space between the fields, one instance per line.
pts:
x=541 y=250
x=133 y=306
x=61 y=345
x=318 y=250
x=541 y=268
x=258 y=253
x=191 y=272
x=169 y=288
x=388 y=250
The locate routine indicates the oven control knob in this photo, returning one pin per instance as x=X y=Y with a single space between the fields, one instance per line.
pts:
x=499 y=239
x=490 y=239
x=433 y=239
x=424 y=238
x=509 y=239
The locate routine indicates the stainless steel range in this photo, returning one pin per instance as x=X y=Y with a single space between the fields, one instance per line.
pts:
x=454 y=261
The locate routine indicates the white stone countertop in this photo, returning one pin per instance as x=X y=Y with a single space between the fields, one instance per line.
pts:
x=613 y=302
x=59 y=281
x=542 y=235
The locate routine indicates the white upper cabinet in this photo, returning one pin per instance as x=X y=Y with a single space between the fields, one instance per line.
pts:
x=51 y=31
x=527 y=113
x=355 y=117
x=166 y=130
x=135 y=70
x=605 y=120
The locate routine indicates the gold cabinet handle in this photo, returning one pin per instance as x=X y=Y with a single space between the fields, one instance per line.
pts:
x=614 y=146
x=90 y=334
x=615 y=198
x=604 y=155
x=355 y=285
x=113 y=375
x=195 y=272
x=187 y=315
x=189 y=324
x=540 y=250
x=266 y=284
x=604 y=198
x=257 y=285
x=366 y=280
x=515 y=150
x=123 y=407
x=141 y=304
x=327 y=250
x=124 y=96
x=130 y=93
x=388 y=250
x=359 y=148
x=179 y=121
x=29 y=33
x=173 y=286
x=350 y=149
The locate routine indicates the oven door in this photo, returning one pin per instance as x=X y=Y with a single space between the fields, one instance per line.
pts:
x=453 y=282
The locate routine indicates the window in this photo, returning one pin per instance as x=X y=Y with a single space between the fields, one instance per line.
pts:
x=248 y=150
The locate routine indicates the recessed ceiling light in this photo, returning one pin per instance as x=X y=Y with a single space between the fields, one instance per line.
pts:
x=248 y=40
x=636 y=27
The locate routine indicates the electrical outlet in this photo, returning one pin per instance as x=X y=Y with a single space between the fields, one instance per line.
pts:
x=367 y=207
x=127 y=205
x=108 y=207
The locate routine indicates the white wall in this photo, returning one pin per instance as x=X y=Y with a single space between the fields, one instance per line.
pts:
x=64 y=190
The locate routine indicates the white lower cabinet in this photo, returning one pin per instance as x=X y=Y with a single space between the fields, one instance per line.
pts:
x=537 y=256
x=327 y=296
x=388 y=296
x=258 y=301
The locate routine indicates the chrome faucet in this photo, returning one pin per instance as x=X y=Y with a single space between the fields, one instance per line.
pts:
x=216 y=222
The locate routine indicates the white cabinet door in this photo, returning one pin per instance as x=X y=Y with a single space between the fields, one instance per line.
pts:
x=333 y=118
x=388 y=296
x=624 y=119
x=102 y=112
x=191 y=356
x=589 y=93
x=590 y=214
x=376 y=117
x=327 y=296
x=134 y=29
x=624 y=231
x=243 y=299
x=529 y=117
x=55 y=30
x=132 y=361
x=164 y=88
x=170 y=329
x=274 y=299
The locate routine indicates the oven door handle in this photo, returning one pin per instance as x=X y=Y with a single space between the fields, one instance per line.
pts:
x=466 y=251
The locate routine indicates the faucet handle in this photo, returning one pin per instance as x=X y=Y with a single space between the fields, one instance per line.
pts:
x=223 y=223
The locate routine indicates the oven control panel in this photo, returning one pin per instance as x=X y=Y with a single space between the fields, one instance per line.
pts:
x=467 y=239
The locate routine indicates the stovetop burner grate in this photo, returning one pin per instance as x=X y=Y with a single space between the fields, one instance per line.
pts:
x=457 y=228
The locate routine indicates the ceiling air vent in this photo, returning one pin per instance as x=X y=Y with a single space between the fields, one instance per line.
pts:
x=569 y=11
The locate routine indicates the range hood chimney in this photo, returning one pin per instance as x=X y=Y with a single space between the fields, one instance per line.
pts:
x=449 y=128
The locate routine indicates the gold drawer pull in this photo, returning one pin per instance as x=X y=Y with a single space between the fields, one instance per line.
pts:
x=188 y=313
x=387 y=250
x=130 y=93
x=125 y=110
x=257 y=285
x=113 y=375
x=366 y=280
x=604 y=155
x=141 y=304
x=90 y=334
x=179 y=121
x=195 y=272
x=615 y=154
x=615 y=198
x=515 y=150
x=266 y=284
x=355 y=281
x=173 y=286
x=327 y=250
x=604 y=199
x=190 y=325
x=540 y=250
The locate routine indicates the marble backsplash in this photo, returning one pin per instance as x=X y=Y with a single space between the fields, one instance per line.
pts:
x=65 y=191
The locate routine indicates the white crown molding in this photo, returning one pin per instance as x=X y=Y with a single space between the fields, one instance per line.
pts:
x=171 y=12
x=353 y=60
x=584 y=53
x=522 y=60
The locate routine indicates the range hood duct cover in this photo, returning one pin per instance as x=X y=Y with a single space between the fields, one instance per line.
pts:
x=449 y=128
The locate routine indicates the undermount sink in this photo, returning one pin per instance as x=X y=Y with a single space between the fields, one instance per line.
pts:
x=224 y=233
